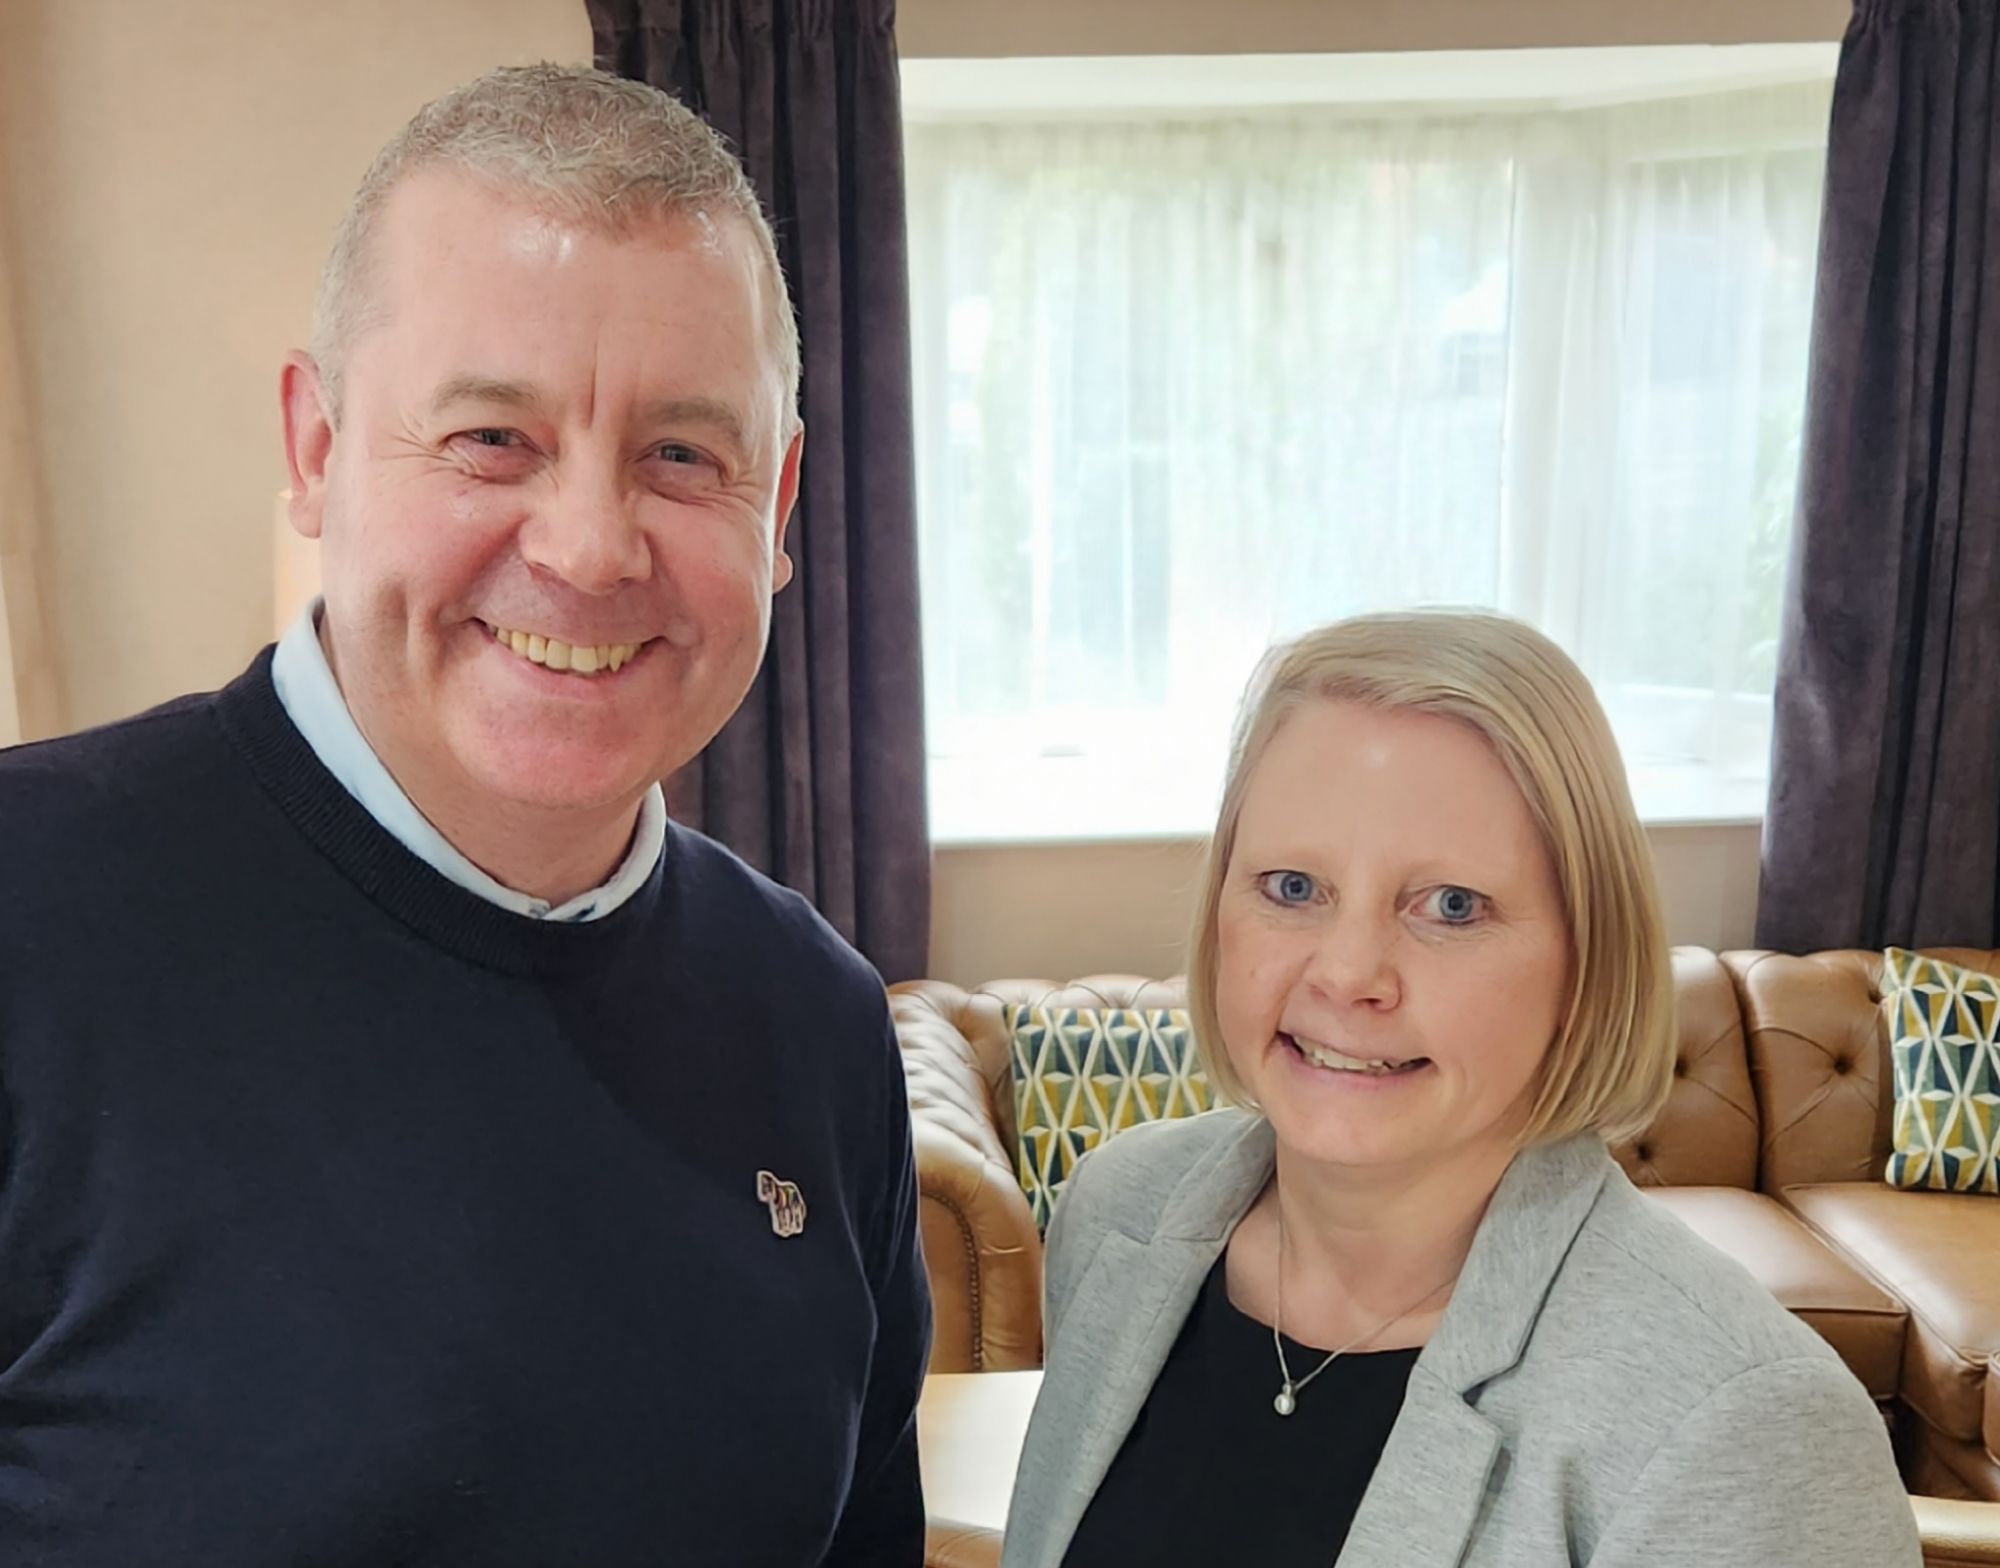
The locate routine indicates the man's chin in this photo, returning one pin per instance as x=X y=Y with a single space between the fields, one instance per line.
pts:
x=559 y=781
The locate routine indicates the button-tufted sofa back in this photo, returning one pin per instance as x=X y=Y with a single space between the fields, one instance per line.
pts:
x=1819 y=1052
x=1706 y=1135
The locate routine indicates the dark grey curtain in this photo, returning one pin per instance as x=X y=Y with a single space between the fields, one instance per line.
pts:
x=1884 y=818
x=819 y=779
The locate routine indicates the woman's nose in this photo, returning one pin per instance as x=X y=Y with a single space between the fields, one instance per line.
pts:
x=1353 y=960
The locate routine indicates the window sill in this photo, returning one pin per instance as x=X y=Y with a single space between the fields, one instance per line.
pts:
x=992 y=802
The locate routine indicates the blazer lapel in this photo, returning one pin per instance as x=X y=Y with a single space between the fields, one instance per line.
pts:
x=1126 y=1312
x=1428 y=1491
x=1138 y=1294
x=1421 y=1506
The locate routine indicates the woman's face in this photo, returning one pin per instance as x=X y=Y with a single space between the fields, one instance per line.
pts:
x=1393 y=957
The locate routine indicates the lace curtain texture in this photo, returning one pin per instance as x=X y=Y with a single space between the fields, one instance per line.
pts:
x=1188 y=386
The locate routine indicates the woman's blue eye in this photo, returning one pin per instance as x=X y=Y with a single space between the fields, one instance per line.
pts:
x=1292 y=887
x=1457 y=905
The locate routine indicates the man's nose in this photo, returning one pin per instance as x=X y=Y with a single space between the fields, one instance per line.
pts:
x=1353 y=962
x=587 y=534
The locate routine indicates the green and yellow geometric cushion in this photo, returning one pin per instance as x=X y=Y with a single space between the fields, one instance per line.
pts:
x=1942 y=1022
x=1084 y=1073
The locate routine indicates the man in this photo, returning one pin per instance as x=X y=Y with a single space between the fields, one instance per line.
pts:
x=416 y=1148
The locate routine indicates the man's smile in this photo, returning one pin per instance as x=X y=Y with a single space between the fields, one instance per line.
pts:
x=555 y=654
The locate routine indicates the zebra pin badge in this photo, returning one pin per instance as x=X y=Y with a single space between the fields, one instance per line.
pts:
x=782 y=1198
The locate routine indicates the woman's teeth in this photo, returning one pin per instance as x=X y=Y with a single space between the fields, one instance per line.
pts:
x=1321 y=1056
x=555 y=654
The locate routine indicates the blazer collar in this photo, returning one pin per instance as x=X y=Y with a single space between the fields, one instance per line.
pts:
x=1539 y=1206
x=1218 y=1189
x=1536 y=1211
x=1428 y=1489
x=1430 y=1485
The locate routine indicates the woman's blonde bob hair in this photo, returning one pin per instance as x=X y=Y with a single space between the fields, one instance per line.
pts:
x=1611 y=1063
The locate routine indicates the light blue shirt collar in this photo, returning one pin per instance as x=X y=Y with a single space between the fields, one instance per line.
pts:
x=312 y=698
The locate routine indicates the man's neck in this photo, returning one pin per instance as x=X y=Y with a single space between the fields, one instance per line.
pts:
x=548 y=854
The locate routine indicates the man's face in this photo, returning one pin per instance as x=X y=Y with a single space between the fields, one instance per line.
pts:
x=556 y=447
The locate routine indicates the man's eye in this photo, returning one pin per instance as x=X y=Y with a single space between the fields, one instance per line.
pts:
x=492 y=437
x=1287 y=887
x=674 y=452
x=1456 y=906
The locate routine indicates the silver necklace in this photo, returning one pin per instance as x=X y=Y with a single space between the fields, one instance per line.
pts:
x=1288 y=1388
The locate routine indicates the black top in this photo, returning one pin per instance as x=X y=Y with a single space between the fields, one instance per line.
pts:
x=1211 y=1475
x=348 y=1219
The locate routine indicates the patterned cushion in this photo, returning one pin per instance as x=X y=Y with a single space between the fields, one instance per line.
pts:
x=1081 y=1074
x=1942 y=1021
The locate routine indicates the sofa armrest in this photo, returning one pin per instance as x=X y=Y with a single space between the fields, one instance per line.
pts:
x=950 y=1545
x=1958 y=1534
x=981 y=1248
x=982 y=1253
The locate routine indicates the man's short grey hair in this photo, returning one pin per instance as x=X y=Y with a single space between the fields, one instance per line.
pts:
x=591 y=148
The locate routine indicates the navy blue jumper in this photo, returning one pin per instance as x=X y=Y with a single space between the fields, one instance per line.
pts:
x=347 y=1219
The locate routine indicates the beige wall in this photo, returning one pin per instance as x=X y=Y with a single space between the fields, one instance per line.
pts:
x=1061 y=911
x=173 y=170
x=975 y=28
x=30 y=697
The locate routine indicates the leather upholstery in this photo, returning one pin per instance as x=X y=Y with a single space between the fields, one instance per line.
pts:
x=948 y=1544
x=1958 y=1534
x=980 y=1241
x=1782 y=1088
x=1940 y=1253
x=1989 y=1428
x=981 y=1247
x=1820 y=1057
x=1707 y=1133
x=1852 y=1313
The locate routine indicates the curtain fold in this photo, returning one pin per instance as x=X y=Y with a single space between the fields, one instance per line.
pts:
x=1884 y=816
x=30 y=700
x=819 y=779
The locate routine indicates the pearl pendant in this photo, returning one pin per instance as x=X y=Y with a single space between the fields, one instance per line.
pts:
x=1284 y=1404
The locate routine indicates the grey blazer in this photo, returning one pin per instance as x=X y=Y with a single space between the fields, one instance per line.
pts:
x=1604 y=1388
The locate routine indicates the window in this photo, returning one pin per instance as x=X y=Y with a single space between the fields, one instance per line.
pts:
x=1192 y=377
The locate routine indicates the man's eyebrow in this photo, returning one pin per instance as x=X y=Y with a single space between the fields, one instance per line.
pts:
x=492 y=390
x=698 y=411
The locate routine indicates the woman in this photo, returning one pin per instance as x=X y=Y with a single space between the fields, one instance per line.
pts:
x=1402 y=1308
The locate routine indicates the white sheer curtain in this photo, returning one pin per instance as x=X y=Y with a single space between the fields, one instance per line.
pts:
x=27 y=679
x=1186 y=387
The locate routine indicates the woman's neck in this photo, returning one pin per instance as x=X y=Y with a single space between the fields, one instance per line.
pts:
x=1367 y=1254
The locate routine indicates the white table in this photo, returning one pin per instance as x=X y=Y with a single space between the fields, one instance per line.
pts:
x=969 y=1431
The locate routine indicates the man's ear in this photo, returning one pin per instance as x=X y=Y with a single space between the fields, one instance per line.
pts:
x=788 y=497
x=308 y=440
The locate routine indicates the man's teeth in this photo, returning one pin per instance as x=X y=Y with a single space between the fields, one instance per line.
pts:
x=1320 y=1056
x=555 y=654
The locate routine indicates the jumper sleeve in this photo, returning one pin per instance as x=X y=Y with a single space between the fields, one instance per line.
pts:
x=1786 y=1465
x=882 y=1524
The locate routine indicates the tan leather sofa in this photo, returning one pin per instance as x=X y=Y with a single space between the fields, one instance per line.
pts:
x=1772 y=1147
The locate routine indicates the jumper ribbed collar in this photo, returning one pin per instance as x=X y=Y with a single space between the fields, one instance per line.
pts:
x=404 y=885
x=312 y=698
